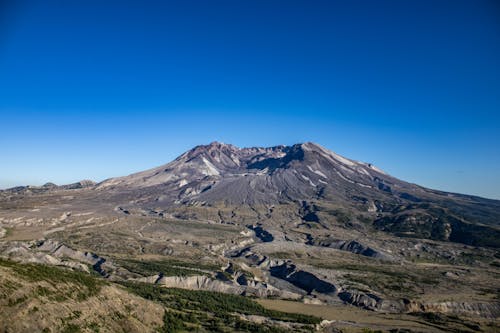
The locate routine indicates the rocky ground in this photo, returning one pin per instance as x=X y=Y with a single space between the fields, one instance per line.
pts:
x=454 y=280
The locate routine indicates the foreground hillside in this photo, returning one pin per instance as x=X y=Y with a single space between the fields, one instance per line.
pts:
x=39 y=298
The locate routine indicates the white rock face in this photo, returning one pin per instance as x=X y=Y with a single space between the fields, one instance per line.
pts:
x=199 y=282
x=210 y=170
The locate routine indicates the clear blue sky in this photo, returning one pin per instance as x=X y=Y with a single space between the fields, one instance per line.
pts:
x=92 y=90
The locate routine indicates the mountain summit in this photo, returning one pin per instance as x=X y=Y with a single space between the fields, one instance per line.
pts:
x=299 y=170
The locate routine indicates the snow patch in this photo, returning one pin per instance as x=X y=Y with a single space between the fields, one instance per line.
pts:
x=377 y=169
x=306 y=147
x=344 y=178
x=235 y=160
x=372 y=208
x=363 y=171
x=333 y=157
x=262 y=172
x=280 y=154
x=309 y=180
x=319 y=173
x=210 y=169
x=342 y=159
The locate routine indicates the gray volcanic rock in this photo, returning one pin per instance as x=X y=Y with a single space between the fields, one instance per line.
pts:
x=222 y=175
x=287 y=187
x=302 y=279
x=351 y=246
x=48 y=187
x=81 y=184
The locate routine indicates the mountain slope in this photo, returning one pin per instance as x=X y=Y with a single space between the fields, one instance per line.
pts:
x=311 y=179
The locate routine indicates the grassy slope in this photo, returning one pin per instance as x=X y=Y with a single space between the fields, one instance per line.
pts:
x=39 y=298
x=51 y=299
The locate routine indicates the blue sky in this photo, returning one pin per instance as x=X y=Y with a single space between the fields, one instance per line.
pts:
x=93 y=90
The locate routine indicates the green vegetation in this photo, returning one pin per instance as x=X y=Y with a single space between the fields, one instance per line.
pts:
x=367 y=220
x=16 y=301
x=385 y=278
x=71 y=328
x=169 y=267
x=281 y=255
x=86 y=285
x=7 y=288
x=185 y=310
x=386 y=269
x=368 y=330
x=247 y=274
x=287 y=255
x=469 y=258
x=94 y=327
x=450 y=322
x=341 y=216
x=8 y=232
x=215 y=312
x=495 y=264
x=173 y=321
x=432 y=224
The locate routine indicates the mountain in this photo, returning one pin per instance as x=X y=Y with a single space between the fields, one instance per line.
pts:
x=311 y=178
x=288 y=222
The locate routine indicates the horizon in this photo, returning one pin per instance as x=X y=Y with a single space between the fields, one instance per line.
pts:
x=223 y=143
x=94 y=91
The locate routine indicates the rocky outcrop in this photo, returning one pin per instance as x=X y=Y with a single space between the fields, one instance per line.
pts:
x=199 y=282
x=373 y=302
x=368 y=301
x=352 y=246
x=438 y=224
x=302 y=279
x=238 y=286
x=479 y=309
x=59 y=250
x=261 y=233
x=21 y=251
x=49 y=187
x=52 y=252
x=78 y=185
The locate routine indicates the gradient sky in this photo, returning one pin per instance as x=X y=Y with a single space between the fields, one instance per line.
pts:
x=93 y=90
